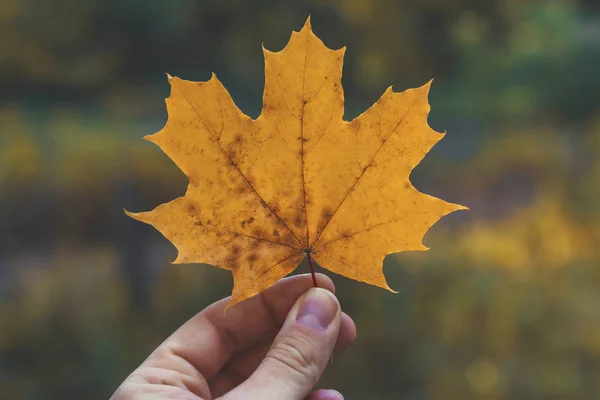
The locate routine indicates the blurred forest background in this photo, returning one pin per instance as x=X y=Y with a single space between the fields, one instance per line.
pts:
x=505 y=305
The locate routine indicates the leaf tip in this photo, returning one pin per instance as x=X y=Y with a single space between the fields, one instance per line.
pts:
x=307 y=24
x=150 y=138
x=427 y=87
x=234 y=299
x=134 y=215
x=462 y=208
x=228 y=306
x=169 y=76
x=381 y=282
x=389 y=289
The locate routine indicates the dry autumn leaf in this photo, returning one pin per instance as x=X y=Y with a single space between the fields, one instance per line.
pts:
x=299 y=180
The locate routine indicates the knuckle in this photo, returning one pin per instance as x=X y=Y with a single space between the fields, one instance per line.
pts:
x=298 y=355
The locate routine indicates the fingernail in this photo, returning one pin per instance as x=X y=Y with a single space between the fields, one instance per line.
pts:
x=318 y=309
x=330 y=394
x=335 y=395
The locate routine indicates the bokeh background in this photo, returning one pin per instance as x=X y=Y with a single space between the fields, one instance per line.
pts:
x=505 y=305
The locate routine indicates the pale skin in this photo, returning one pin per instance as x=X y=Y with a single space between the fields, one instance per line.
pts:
x=275 y=345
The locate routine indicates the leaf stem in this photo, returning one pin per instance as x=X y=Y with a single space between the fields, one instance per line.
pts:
x=312 y=270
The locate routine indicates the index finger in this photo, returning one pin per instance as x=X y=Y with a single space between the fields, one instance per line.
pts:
x=212 y=337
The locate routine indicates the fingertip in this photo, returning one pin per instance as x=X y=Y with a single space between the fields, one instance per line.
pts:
x=317 y=309
x=280 y=297
x=300 y=352
x=347 y=333
x=324 y=281
x=325 y=394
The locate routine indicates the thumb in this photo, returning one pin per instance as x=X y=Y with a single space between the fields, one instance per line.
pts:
x=300 y=352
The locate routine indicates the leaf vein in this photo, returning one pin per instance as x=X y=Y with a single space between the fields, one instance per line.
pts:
x=239 y=171
x=371 y=227
x=273 y=266
x=361 y=174
x=302 y=155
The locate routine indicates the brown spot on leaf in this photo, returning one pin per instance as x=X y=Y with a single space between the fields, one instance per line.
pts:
x=275 y=232
x=234 y=264
x=193 y=181
x=248 y=222
x=326 y=213
x=256 y=232
x=241 y=188
x=298 y=220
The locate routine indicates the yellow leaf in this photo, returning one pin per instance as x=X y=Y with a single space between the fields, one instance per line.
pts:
x=298 y=180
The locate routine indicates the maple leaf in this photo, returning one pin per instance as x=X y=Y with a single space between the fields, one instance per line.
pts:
x=298 y=180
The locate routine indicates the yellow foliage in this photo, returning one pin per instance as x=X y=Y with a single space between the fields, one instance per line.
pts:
x=18 y=152
x=540 y=234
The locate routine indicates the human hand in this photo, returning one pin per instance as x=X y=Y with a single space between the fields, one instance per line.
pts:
x=272 y=346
